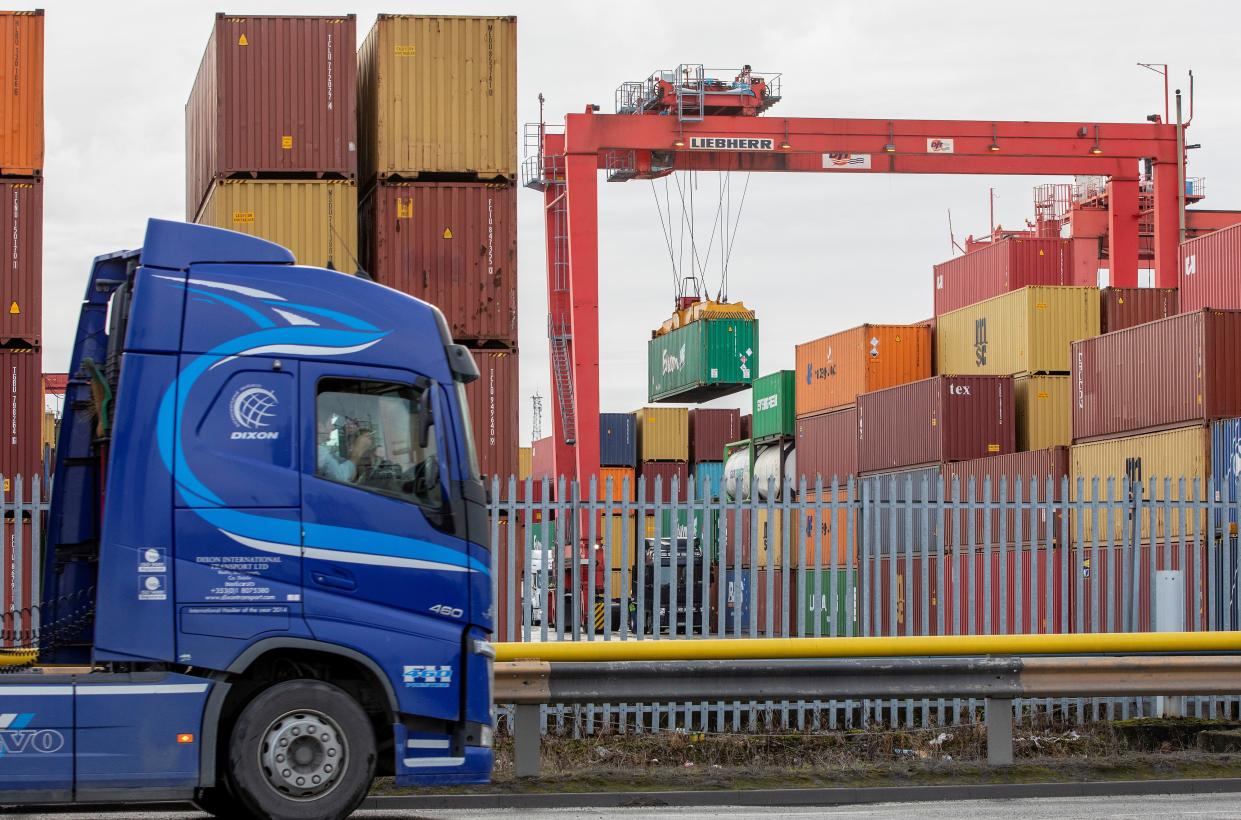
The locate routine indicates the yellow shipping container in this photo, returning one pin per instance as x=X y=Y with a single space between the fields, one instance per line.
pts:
x=619 y=534
x=51 y=427
x=525 y=462
x=663 y=433
x=316 y=220
x=1025 y=331
x=438 y=95
x=1044 y=411
x=1175 y=454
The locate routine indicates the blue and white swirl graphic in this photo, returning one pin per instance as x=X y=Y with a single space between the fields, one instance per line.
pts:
x=296 y=330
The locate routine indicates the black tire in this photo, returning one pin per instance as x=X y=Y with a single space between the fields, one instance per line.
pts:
x=301 y=712
x=218 y=802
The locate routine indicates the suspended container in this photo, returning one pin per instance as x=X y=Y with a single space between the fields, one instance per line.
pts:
x=705 y=351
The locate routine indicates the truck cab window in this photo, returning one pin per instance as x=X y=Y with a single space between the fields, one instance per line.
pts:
x=377 y=436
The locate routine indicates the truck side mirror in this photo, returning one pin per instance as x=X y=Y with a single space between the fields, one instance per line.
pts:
x=424 y=422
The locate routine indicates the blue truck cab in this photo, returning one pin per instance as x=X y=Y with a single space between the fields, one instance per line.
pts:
x=266 y=574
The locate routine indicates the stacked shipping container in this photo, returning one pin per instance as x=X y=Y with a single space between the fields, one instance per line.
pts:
x=437 y=152
x=271 y=135
x=21 y=289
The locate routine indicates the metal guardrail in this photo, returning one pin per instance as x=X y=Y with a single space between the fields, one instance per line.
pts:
x=874 y=557
x=998 y=681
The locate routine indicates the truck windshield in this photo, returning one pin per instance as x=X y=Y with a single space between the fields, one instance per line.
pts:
x=377 y=436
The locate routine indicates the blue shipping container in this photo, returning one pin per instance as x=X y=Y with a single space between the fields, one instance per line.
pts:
x=708 y=475
x=736 y=600
x=1225 y=475
x=618 y=440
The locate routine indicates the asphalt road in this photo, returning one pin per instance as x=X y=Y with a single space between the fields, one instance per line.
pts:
x=1165 y=807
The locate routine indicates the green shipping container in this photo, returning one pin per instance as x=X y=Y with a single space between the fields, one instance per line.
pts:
x=704 y=360
x=818 y=602
x=774 y=410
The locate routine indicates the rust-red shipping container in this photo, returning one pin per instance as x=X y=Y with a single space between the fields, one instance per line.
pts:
x=542 y=456
x=21 y=447
x=21 y=288
x=1123 y=596
x=1019 y=478
x=747 y=426
x=827 y=447
x=21 y=92
x=453 y=244
x=493 y=400
x=1000 y=267
x=1125 y=307
x=273 y=96
x=1210 y=274
x=710 y=430
x=666 y=471
x=946 y=418
x=1169 y=373
x=996 y=608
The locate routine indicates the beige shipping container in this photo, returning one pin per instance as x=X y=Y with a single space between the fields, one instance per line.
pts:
x=438 y=95
x=1044 y=411
x=1025 y=331
x=663 y=433
x=316 y=220
x=623 y=532
x=1175 y=454
x=525 y=463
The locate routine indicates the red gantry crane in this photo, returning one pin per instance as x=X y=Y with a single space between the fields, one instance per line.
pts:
x=690 y=118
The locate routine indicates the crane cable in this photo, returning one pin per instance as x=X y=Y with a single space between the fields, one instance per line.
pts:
x=724 y=220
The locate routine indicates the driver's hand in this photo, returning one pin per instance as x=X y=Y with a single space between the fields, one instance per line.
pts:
x=362 y=446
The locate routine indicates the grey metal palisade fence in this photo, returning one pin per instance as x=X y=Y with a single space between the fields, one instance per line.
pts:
x=901 y=559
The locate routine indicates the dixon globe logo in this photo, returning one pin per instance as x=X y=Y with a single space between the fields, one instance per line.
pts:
x=252 y=409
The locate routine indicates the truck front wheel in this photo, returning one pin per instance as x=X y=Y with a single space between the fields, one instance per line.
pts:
x=300 y=750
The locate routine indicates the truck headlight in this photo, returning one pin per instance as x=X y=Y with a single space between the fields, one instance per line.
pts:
x=484 y=737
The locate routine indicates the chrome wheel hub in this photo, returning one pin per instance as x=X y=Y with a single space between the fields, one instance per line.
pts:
x=303 y=754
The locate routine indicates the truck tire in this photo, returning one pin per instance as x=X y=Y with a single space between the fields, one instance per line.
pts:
x=218 y=802
x=301 y=750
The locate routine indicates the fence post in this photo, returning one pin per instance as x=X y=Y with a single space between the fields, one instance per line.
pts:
x=526 y=731
x=999 y=722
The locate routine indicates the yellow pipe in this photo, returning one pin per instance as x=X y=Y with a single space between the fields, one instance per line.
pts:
x=17 y=657
x=767 y=648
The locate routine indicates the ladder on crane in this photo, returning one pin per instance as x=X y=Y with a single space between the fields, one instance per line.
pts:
x=691 y=92
x=559 y=331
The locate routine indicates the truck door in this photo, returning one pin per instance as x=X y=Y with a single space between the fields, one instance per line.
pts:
x=238 y=551
x=376 y=525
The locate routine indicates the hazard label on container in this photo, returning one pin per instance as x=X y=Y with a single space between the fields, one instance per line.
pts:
x=405 y=208
x=286 y=142
x=242 y=41
x=404 y=51
x=448 y=233
x=14 y=309
x=243 y=216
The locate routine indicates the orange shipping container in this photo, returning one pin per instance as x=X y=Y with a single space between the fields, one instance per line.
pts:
x=834 y=370
x=839 y=532
x=21 y=92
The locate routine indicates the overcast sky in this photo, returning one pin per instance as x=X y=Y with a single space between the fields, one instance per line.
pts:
x=813 y=254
